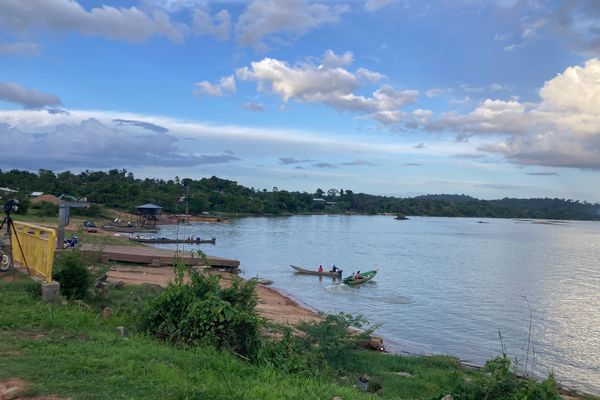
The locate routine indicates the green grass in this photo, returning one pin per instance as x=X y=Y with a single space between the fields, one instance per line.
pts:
x=71 y=351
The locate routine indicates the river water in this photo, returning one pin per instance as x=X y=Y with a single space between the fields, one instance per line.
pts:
x=445 y=285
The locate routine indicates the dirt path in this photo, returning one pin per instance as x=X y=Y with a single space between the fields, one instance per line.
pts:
x=272 y=304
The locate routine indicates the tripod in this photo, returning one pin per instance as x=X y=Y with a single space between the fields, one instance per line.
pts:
x=6 y=260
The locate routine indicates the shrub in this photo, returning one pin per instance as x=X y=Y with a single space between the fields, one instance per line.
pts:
x=321 y=345
x=201 y=312
x=498 y=382
x=73 y=276
x=45 y=209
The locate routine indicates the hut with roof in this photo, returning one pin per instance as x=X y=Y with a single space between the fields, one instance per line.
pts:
x=149 y=214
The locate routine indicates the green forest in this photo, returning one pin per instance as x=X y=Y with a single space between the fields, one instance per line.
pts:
x=118 y=188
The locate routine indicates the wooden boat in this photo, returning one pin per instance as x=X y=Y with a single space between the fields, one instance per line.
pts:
x=166 y=240
x=366 y=277
x=301 y=270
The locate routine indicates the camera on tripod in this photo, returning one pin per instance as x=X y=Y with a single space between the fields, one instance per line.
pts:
x=11 y=205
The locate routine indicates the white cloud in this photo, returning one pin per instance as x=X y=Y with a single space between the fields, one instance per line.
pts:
x=26 y=49
x=28 y=98
x=218 y=25
x=374 y=5
x=332 y=60
x=561 y=130
x=368 y=75
x=226 y=84
x=128 y=24
x=263 y=18
x=332 y=86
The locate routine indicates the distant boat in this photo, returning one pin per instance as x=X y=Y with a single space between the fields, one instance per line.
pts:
x=301 y=270
x=166 y=240
x=366 y=277
x=400 y=216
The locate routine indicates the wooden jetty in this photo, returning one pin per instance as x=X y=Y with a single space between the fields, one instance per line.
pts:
x=154 y=257
x=128 y=229
x=171 y=241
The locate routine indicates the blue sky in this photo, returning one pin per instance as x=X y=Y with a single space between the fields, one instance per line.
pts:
x=396 y=97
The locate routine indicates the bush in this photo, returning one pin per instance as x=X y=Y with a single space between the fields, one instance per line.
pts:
x=201 y=312
x=73 y=276
x=45 y=209
x=93 y=211
x=499 y=382
x=328 y=344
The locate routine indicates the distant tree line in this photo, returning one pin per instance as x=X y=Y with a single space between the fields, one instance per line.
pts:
x=118 y=188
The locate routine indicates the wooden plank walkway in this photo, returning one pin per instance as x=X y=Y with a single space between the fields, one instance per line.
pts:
x=153 y=256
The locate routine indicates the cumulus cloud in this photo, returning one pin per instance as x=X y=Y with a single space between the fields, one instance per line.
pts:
x=561 y=130
x=141 y=124
x=218 y=25
x=128 y=24
x=332 y=60
x=25 y=49
x=226 y=84
x=93 y=144
x=369 y=75
x=332 y=86
x=264 y=18
x=28 y=98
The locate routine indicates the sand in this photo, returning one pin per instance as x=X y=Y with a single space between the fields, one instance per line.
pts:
x=272 y=304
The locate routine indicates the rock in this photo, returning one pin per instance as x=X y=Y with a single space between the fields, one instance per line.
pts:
x=10 y=393
x=448 y=397
x=374 y=343
x=337 y=398
x=363 y=382
x=122 y=331
x=107 y=313
x=404 y=374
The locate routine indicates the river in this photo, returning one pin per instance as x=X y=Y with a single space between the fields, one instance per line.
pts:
x=445 y=285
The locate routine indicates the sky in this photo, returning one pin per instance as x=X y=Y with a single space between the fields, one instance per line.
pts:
x=490 y=98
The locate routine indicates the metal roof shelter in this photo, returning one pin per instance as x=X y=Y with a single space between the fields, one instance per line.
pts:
x=149 y=214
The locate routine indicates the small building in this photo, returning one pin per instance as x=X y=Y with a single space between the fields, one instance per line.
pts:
x=149 y=214
x=36 y=194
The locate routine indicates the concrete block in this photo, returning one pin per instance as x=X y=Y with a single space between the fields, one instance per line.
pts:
x=51 y=292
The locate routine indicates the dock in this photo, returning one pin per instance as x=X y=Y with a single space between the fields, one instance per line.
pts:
x=154 y=257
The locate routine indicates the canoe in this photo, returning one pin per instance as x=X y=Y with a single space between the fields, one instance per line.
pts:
x=301 y=270
x=366 y=277
x=165 y=240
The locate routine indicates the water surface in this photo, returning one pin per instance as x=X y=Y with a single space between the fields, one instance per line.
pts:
x=445 y=285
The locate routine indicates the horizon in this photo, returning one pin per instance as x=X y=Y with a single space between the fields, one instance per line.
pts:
x=386 y=97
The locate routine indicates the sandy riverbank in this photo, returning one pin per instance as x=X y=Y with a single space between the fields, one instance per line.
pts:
x=272 y=305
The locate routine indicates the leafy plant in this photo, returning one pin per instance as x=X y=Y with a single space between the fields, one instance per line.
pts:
x=201 y=312
x=74 y=278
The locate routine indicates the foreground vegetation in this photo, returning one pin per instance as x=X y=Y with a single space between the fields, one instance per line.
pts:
x=120 y=189
x=198 y=340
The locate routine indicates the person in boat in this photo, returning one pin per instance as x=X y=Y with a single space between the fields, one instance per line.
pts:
x=334 y=269
x=357 y=275
x=320 y=268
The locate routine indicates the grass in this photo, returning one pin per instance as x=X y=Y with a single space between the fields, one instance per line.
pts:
x=71 y=351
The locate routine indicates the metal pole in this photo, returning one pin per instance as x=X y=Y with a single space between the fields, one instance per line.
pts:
x=63 y=211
